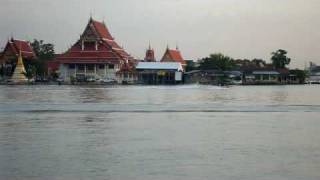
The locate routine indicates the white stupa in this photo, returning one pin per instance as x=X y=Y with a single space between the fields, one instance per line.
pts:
x=18 y=74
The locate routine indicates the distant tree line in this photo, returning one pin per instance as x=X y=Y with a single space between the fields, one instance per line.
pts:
x=221 y=62
x=216 y=61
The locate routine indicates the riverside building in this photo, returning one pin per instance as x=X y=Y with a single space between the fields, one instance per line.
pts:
x=167 y=71
x=96 y=55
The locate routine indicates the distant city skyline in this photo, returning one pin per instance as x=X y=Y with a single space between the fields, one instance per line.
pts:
x=240 y=29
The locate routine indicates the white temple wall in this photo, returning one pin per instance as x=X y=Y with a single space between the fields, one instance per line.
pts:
x=97 y=70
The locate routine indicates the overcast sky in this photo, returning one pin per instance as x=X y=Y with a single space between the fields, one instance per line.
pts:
x=238 y=28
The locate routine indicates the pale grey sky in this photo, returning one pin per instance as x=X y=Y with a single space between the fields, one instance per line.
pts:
x=238 y=28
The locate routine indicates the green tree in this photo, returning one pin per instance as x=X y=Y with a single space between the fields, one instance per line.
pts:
x=190 y=65
x=44 y=52
x=300 y=74
x=30 y=72
x=217 y=61
x=279 y=59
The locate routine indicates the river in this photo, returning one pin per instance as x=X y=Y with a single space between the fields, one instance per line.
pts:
x=190 y=132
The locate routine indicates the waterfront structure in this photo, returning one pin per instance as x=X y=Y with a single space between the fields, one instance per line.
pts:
x=213 y=77
x=173 y=55
x=18 y=74
x=258 y=71
x=314 y=73
x=246 y=75
x=150 y=55
x=95 y=55
x=264 y=77
x=10 y=54
x=159 y=72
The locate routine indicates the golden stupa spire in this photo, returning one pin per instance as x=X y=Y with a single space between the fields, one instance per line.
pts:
x=18 y=74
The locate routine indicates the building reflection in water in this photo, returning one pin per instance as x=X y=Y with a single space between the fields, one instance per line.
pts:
x=279 y=95
x=91 y=95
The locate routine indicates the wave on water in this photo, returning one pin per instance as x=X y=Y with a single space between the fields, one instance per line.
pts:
x=153 y=99
x=174 y=87
x=160 y=111
x=131 y=87
x=154 y=108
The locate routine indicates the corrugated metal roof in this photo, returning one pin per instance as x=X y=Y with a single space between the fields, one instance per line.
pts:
x=265 y=73
x=160 y=66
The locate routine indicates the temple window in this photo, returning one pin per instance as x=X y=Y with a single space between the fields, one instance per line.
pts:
x=111 y=66
x=101 y=66
x=89 y=46
x=90 y=67
x=72 y=66
x=81 y=67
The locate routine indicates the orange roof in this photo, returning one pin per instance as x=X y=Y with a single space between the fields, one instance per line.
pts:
x=173 y=55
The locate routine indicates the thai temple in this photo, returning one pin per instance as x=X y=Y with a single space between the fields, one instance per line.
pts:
x=11 y=53
x=96 y=55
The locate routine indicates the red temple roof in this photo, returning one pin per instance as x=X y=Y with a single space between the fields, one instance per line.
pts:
x=173 y=55
x=17 y=46
x=100 y=48
x=102 y=30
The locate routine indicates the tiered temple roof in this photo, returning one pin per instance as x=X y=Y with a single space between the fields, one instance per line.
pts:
x=96 y=45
